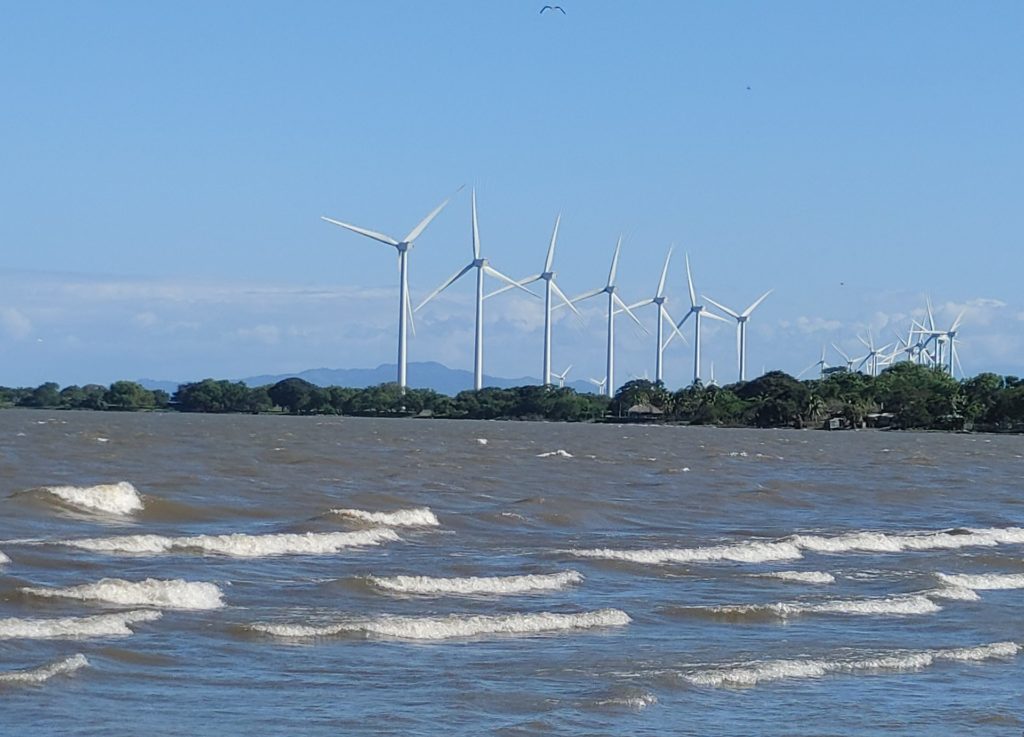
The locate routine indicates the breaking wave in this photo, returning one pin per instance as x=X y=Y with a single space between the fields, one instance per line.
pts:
x=983 y=582
x=751 y=674
x=175 y=594
x=792 y=547
x=420 y=517
x=238 y=545
x=66 y=628
x=910 y=604
x=801 y=576
x=559 y=453
x=453 y=626
x=477 y=585
x=121 y=498
x=4 y=558
x=46 y=672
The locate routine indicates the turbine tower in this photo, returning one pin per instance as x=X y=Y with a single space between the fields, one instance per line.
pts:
x=698 y=312
x=482 y=267
x=659 y=300
x=402 y=247
x=550 y=289
x=741 y=329
x=613 y=301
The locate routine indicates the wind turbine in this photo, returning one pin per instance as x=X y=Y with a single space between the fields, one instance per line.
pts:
x=600 y=384
x=820 y=363
x=613 y=301
x=698 y=312
x=561 y=376
x=659 y=300
x=550 y=288
x=741 y=329
x=944 y=359
x=871 y=359
x=849 y=361
x=402 y=247
x=482 y=267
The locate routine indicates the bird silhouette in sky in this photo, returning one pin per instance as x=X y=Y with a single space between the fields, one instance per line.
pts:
x=552 y=7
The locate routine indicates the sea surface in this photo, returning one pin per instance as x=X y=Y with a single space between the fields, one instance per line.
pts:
x=169 y=574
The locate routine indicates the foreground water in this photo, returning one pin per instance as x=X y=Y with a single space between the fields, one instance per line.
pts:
x=167 y=574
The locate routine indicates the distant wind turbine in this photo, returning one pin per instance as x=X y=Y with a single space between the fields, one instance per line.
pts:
x=659 y=300
x=482 y=267
x=550 y=289
x=600 y=384
x=402 y=247
x=561 y=376
x=741 y=329
x=820 y=363
x=614 y=301
x=698 y=312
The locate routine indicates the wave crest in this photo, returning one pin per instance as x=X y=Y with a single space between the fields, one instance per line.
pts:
x=477 y=584
x=453 y=626
x=752 y=674
x=238 y=545
x=417 y=517
x=983 y=582
x=748 y=552
x=68 y=628
x=46 y=672
x=121 y=498
x=801 y=576
x=174 y=594
x=893 y=606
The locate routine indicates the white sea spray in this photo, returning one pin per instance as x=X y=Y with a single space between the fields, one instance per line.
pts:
x=45 y=672
x=121 y=498
x=164 y=594
x=68 y=628
x=418 y=517
x=476 y=585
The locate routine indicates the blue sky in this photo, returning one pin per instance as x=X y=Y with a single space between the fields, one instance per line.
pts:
x=165 y=168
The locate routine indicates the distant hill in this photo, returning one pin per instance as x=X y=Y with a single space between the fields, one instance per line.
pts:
x=422 y=375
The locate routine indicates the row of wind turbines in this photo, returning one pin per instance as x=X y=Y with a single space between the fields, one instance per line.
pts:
x=925 y=345
x=615 y=304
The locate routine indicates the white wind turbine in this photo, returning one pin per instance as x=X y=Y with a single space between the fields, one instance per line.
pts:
x=482 y=267
x=614 y=301
x=871 y=359
x=849 y=361
x=659 y=300
x=561 y=376
x=600 y=384
x=402 y=247
x=741 y=329
x=820 y=363
x=550 y=289
x=698 y=312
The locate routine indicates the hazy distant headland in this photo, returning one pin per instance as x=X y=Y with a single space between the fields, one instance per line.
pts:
x=904 y=396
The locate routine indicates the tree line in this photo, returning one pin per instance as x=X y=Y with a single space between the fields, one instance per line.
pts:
x=904 y=396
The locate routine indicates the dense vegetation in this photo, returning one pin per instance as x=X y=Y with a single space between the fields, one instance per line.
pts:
x=905 y=396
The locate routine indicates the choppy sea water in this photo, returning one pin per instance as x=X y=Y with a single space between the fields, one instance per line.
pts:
x=168 y=574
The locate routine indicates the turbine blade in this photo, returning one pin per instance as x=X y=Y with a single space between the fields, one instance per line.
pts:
x=722 y=307
x=415 y=232
x=840 y=352
x=672 y=324
x=521 y=282
x=512 y=284
x=689 y=281
x=685 y=318
x=363 y=231
x=615 y=263
x=641 y=303
x=713 y=316
x=476 y=230
x=587 y=295
x=551 y=247
x=759 y=300
x=448 y=282
x=664 y=273
x=561 y=295
x=408 y=311
x=625 y=308
x=956 y=322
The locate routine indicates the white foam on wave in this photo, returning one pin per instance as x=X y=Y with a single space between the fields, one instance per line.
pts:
x=46 y=672
x=121 y=498
x=896 y=606
x=477 y=584
x=559 y=453
x=66 y=628
x=748 y=552
x=4 y=558
x=801 y=576
x=984 y=581
x=453 y=626
x=754 y=673
x=418 y=517
x=173 y=594
x=238 y=545
x=791 y=548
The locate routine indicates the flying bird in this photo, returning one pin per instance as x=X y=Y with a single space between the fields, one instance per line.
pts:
x=552 y=7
